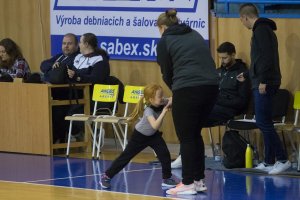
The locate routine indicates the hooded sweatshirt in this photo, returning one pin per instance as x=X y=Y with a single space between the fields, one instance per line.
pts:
x=264 y=54
x=185 y=59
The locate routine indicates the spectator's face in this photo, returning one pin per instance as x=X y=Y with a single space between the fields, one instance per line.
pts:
x=69 y=46
x=3 y=54
x=82 y=45
x=227 y=60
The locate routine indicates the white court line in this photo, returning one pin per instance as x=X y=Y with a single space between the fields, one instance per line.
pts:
x=107 y=191
x=129 y=171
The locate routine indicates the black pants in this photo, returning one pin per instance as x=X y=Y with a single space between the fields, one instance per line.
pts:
x=191 y=108
x=136 y=144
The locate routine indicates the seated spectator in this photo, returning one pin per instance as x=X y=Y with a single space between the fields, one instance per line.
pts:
x=66 y=57
x=12 y=62
x=233 y=94
x=92 y=64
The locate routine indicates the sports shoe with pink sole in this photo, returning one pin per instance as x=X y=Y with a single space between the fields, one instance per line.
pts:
x=182 y=189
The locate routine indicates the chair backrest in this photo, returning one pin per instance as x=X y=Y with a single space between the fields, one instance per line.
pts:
x=107 y=94
x=132 y=95
x=112 y=80
x=280 y=104
x=296 y=106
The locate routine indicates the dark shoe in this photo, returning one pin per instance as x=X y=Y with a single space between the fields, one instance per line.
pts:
x=169 y=183
x=105 y=181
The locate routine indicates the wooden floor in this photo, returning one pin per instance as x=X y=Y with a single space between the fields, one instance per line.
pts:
x=25 y=191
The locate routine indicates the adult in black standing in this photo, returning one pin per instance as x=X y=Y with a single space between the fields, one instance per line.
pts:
x=266 y=78
x=189 y=71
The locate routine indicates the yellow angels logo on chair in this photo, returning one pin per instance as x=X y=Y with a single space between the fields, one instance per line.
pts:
x=105 y=93
x=132 y=94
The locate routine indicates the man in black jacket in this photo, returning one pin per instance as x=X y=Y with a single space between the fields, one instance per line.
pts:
x=233 y=95
x=69 y=49
x=266 y=78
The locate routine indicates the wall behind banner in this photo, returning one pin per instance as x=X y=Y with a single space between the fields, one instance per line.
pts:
x=28 y=23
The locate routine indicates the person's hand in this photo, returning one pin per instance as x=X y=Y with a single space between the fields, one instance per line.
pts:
x=262 y=88
x=166 y=108
x=241 y=77
x=55 y=65
x=170 y=101
x=71 y=73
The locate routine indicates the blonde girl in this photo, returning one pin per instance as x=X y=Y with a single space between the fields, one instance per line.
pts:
x=151 y=109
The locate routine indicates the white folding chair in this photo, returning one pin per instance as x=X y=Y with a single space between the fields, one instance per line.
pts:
x=101 y=93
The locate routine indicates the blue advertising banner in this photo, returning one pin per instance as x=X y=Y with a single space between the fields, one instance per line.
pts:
x=126 y=29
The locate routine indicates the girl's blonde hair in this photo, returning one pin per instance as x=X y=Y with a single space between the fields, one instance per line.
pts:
x=149 y=92
x=168 y=18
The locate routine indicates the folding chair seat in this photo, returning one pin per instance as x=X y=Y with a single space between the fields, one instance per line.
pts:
x=280 y=103
x=280 y=107
x=101 y=93
x=132 y=95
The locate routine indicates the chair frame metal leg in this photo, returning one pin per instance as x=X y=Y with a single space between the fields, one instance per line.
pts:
x=94 y=139
x=69 y=138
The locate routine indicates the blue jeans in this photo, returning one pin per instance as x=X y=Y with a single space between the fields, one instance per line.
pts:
x=263 y=115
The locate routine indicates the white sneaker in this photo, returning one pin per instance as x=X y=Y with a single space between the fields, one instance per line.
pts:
x=176 y=163
x=280 y=167
x=182 y=189
x=264 y=167
x=200 y=186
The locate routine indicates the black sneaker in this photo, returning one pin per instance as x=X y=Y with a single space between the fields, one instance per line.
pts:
x=105 y=181
x=169 y=183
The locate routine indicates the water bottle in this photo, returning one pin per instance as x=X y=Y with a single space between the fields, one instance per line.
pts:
x=248 y=157
x=294 y=160
x=255 y=157
x=217 y=151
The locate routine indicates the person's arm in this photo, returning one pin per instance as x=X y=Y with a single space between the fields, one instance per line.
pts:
x=20 y=67
x=243 y=93
x=46 y=65
x=165 y=63
x=156 y=123
x=98 y=73
x=266 y=47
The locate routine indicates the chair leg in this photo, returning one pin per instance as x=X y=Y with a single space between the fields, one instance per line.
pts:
x=94 y=139
x=99 y=140
x=69 y=138
x=211 y=141
x=298 y=167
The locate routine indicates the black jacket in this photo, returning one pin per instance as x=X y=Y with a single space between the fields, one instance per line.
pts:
x=264 y=54
x=46 y=65
x=233 y=93
x=185 y=59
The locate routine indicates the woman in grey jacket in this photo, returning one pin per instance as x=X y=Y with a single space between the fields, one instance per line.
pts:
x=189 y=71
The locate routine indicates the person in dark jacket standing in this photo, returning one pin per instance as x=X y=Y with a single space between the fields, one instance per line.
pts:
x=189 y=71
x=266 y=79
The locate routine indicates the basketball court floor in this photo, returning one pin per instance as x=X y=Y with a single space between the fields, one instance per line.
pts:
x=43 y=177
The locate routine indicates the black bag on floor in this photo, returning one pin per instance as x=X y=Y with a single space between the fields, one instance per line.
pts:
x=234 y=148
